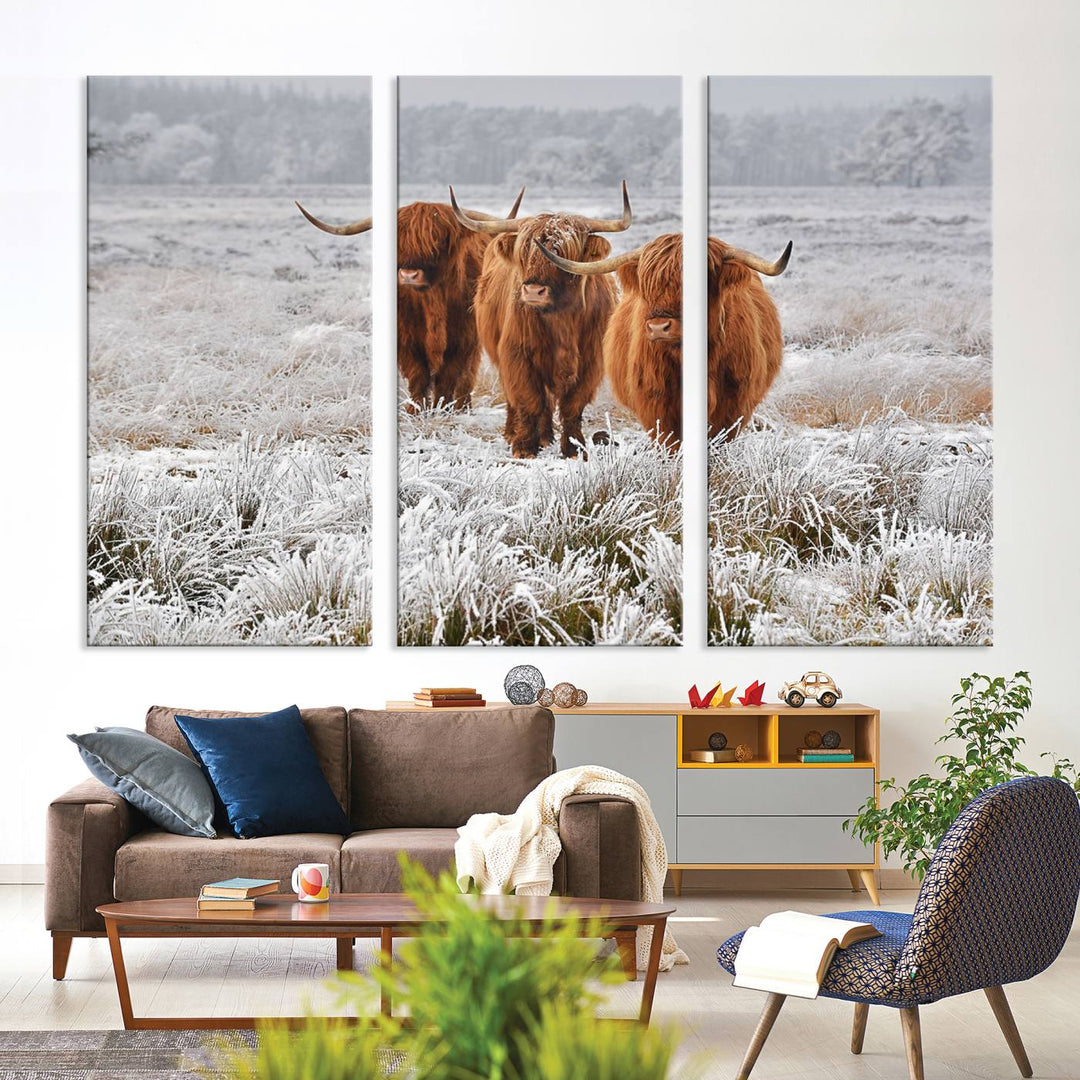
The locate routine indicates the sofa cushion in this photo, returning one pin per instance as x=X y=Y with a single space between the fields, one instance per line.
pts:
x=436 y=768
x=169 y=788
x=369 y=859
x=265 y=772
x=326 y=728
x=158 y=865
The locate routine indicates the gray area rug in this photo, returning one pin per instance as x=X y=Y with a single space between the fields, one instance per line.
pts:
x=112 y=1055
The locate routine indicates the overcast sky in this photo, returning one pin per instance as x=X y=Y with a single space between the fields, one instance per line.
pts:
x=554 y=92
x=736 y=94
x=346 y=86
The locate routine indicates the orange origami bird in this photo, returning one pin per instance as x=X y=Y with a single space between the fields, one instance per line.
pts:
x=721 y=698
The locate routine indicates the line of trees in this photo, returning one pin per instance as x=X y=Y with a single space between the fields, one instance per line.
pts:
x=922 y=141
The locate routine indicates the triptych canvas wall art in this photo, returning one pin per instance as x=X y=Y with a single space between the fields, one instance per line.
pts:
x=539 y=359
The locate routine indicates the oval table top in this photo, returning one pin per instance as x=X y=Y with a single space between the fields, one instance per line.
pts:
x=380 y=909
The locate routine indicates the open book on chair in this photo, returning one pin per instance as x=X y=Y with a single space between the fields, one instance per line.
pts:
x=790 y=951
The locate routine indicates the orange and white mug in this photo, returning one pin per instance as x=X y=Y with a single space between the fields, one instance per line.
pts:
x=311 y=882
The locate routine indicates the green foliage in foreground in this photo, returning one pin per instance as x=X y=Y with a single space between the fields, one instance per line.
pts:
x=986 y=713
x=489 y=999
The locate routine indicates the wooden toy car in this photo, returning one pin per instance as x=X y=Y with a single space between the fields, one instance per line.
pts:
x=814 y=684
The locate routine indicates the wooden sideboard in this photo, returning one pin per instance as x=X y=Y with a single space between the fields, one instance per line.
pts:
x=772 y=812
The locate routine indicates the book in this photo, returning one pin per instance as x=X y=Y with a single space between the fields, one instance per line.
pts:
x=447 y=690
x=444 y=697
x=824 y=759
x=454 y=703
x=239 y=888
x=222 y=903
x=790 y=951
x=824 y=750
x=712 y=756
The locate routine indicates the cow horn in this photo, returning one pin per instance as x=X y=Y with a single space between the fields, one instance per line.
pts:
x=756 y=262
x=361 y=226
x=479 y=215
x=601 y=266
x=614 y=224
x=486 y=224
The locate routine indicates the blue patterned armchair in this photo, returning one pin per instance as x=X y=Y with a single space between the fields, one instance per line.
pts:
x=995 y=907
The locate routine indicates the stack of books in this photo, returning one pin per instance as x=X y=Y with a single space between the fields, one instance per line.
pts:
x=822 y=755
x=235 y=894
x=449 y=697
x=712 y=757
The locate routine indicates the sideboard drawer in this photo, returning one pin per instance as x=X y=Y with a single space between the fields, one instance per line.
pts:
x=765 y=840
x=774 y=792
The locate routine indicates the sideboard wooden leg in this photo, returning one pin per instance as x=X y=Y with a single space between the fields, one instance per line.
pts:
x=867 y=877
x=676 y=881
x=61 y=950
x=853 y=877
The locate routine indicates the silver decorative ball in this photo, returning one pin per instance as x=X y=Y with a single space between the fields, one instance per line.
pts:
x=522 y=684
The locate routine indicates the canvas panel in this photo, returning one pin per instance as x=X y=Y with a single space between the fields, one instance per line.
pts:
x=850 y=454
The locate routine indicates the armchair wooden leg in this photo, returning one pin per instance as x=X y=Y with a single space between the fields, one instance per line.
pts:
x=853 y=877
x=909 y=1019
x=773 y=1004
x=867 y=877
x=858 y=1028
x=1000 y=1004
x=61 y=950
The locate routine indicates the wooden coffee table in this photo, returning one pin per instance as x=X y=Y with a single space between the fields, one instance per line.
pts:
x=346 y=917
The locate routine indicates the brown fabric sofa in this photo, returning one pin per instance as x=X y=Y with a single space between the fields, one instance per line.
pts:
x=406 y=782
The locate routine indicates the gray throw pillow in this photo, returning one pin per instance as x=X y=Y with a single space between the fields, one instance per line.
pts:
x=167 y=786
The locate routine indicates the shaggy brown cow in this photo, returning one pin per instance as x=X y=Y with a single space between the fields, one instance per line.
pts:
x=541 y=327
x=643 y=343
x=439 y=264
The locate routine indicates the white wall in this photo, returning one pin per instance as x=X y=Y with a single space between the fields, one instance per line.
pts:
x=53 y=684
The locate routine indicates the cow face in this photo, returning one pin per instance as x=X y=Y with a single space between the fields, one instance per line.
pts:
x=656 y=275
x=428 y=234
x=542 y=286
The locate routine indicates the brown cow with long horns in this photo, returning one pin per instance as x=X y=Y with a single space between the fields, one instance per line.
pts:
x=643 y=343
x=439 y=263
x=542 y=327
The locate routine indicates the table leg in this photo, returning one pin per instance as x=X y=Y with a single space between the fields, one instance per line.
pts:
x=652 y=971
x=386 y=959
x=120 y=972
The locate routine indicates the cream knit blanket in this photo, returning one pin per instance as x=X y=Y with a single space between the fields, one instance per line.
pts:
x=517 y=852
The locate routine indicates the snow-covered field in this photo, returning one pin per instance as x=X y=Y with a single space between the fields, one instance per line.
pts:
x=229 y=418
x=492 y=550
x=858 y=508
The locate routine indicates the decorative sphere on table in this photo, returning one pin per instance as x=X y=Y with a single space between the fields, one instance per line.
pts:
x=522 y=684
x=580 y=698
x=812 y=740
x=564 y=694
x=743 y=753
x=717 y=741
x=545 y=698
x=830 y=740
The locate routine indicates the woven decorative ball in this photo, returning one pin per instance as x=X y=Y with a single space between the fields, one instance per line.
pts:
x=522 y=684
x=830 y=740
x=743 y=753
x=564 y=694
x=545 y=698
x=812 y=740
x=580 y=698
x=717 y=741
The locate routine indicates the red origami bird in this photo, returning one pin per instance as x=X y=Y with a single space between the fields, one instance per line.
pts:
x=699 y=701
x=753 y=694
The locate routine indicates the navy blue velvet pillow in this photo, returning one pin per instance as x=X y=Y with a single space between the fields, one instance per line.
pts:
x=265 y=772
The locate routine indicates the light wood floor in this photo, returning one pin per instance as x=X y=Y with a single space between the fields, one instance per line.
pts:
x=960 y=1036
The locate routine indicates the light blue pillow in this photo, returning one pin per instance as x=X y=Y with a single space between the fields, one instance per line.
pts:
x=167 y=786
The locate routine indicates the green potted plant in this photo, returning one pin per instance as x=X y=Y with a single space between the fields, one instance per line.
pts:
x=986 y=713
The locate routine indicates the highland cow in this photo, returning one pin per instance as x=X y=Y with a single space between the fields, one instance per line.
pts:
x=542 y=327
x=439 y=263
